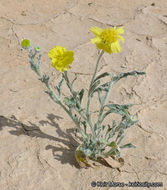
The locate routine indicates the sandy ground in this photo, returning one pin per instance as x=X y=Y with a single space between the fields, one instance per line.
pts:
x=36 y=148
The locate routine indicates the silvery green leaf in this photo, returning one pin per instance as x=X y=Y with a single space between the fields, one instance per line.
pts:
x=101 y=76
x=39 y=60
x=59 y=88
x=121 y=112
x=104 y=141
x=103 y=87
x=115 y=150
x=69 y=102
x=45 y=78
x=81 y=93
x=113 y=123
x=99 y=96
x=127 y=121
x=52 y=96
x=120 y=133
x=95 y=127
x=88 y=152
x=129 y=145
x=60 y=83
x=119 y=107
x=101 y=131
x=113 y=144
x=108 y=131
x=111 y=134
x=93 y=87
x=113 y=130
x=32 y=66
x=98 y=132
x=130 y=123
x=120 y=140
x=111 y=152
x=74 y=79
x=123 y=75
x=103 y=127
x=78 y=120
x=77 y=106
x=84 y=124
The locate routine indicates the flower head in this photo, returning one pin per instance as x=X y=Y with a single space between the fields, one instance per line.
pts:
x=61 y=58
x=108 y=39
x=26 y=43
x=132 y=117
x=37 y=49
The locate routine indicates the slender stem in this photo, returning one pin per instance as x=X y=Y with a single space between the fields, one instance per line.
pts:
x=73 y=93
x=55 y=97
x=66 y=110
x=103 y=104
x=95 y=71
x=68 y=83
x=92 y=80
x=76 y=123
x=89 y=97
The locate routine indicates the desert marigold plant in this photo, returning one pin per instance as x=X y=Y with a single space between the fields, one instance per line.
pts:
x=103 y=143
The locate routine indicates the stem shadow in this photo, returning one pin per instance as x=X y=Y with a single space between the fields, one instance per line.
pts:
x=32 y=130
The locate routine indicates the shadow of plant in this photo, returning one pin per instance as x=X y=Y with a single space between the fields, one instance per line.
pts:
x=32 y=130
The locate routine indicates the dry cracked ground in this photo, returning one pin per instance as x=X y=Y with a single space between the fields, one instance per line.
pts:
x=36 y=145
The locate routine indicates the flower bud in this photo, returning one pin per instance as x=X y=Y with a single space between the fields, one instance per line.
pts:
x=37 y=49
x=26 y=44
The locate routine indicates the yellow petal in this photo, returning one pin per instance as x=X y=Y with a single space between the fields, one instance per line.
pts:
x=95 y=40
x=108 y=49
x=96 y=30
x=54 y=64
x=115 y=47
x=122 y=39
x=60 y=69
x=70 y=53
x=61 y=58
x=120 y=30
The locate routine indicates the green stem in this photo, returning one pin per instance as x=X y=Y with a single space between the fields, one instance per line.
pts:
x=100 y=116
x=89 y=97
x=95 y=71
x=58 y=101
x=76 y=123
x=55 y=97
x=73 y=93
x=68 y=83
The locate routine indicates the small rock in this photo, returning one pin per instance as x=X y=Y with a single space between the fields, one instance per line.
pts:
x=23 y=13
x=90 y=4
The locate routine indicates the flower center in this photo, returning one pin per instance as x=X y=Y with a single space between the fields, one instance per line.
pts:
x=60 y=55
x=109 y=36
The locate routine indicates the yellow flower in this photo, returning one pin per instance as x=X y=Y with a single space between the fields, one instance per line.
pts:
x=61 y=58
x=108 y=39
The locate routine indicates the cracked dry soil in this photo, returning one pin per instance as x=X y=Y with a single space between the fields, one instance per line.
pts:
x=36 y=144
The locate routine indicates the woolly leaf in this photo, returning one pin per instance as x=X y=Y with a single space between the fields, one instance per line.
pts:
x=69 y=102
x=74 y=79
x=93 y=87
x=103 y=87
x=128 y=146
x=81 y=93
x=101 y=76
x=119 y=107
x=123 y=75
